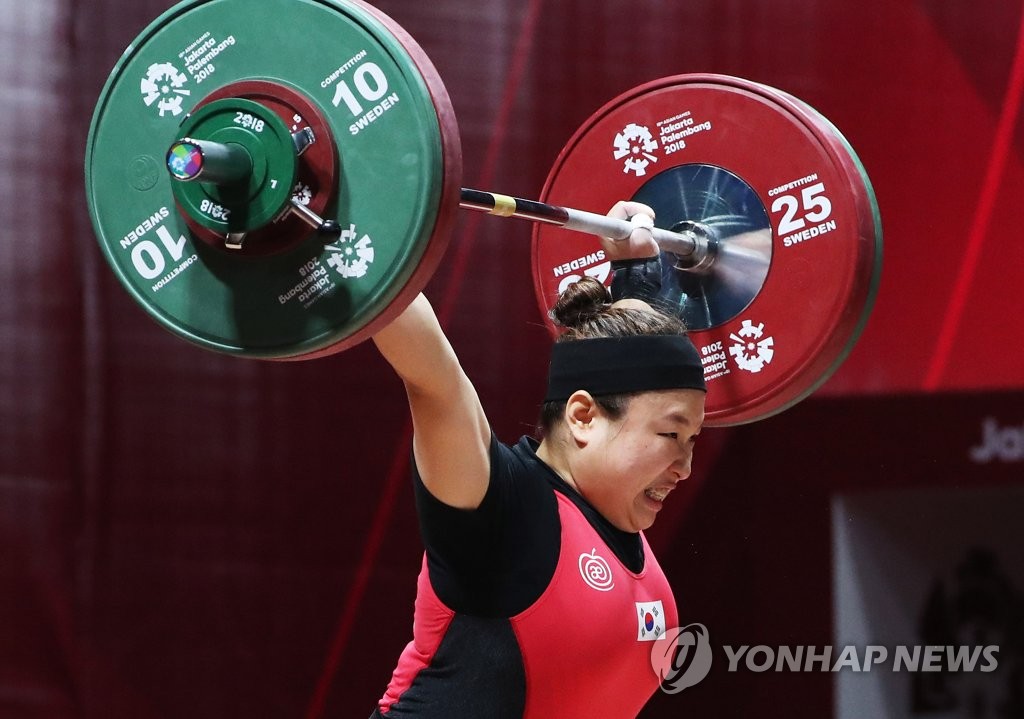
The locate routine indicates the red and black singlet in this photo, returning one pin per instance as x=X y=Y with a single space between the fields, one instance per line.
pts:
x=532 y=605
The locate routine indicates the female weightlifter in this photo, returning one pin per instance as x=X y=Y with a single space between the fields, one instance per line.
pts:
x=538 y=595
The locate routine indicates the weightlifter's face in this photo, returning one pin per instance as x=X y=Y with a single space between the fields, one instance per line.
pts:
x=626 y=467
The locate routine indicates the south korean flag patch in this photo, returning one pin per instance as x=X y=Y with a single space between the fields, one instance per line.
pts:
x=650 y=621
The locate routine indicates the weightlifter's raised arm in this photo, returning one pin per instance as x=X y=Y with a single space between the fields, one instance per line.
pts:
x=451 y=435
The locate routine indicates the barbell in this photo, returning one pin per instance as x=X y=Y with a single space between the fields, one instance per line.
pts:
x=266 y=201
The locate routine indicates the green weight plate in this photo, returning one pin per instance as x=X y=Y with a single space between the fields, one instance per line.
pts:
x=397 y=187
x=263 y=193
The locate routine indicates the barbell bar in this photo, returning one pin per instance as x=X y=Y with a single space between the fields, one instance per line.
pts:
x=227 y=164
x=692 y=250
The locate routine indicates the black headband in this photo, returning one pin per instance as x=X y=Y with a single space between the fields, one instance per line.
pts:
x=618 y=365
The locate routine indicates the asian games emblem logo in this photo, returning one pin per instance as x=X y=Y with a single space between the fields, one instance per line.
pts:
x=750 y=348
x=596 y=572
x=637 y=146
x=351 y=256
x=164 y=85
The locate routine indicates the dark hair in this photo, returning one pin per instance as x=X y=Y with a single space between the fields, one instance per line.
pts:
x=585 y=311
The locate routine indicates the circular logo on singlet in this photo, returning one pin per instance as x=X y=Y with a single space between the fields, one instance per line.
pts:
x=596 y=572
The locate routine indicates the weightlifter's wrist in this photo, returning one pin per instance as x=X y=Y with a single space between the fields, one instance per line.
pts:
x=636 y=278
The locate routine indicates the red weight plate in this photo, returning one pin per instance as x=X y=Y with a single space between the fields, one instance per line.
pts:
x=776 y=168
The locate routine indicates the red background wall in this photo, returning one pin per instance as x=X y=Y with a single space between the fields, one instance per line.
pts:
x=183 y=534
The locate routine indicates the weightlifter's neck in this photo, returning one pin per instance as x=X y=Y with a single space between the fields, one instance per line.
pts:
x=552 y=452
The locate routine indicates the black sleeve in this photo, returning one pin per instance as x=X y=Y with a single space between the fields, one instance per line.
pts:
x=496 y=560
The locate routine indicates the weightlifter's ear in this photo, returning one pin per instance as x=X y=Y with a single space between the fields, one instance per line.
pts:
x=580 y=412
